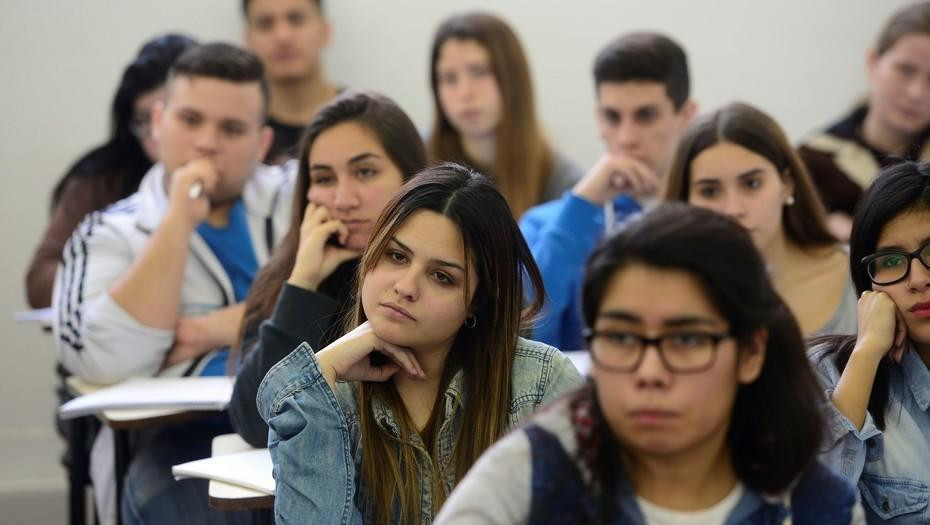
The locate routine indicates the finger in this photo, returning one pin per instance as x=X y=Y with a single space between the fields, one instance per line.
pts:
x=319 y=216
x=404 y=358
x=382 y=373
x=648 y=180
x=323 y=231
x=900 y=336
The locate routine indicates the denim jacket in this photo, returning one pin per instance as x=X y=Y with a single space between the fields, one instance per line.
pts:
x=891 y=467
x=315 y=439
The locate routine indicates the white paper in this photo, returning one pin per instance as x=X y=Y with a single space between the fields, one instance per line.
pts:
x=251 y=469
x=173 y=393
x=43 y=316
x=581 y=359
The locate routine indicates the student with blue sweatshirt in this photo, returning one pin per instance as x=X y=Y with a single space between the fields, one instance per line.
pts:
x=643 y=106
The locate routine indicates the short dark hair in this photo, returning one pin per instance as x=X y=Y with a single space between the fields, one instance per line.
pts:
x=222 y=61
x=776 y=423
x=650 y=57
x=245 y=6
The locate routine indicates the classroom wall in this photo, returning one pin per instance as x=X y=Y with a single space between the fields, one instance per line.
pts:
x=801 y=61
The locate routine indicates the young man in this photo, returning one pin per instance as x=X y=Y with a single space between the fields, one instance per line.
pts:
x=643 y=106
x=153 y=284
x=289 y=37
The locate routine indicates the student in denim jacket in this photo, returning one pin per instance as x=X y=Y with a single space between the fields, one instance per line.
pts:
x=702 y=406
x=382 y=423
x=878 y=381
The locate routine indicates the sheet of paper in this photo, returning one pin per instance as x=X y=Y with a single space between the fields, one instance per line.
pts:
x=42 y=316
x=176 y=393
x=250 y=469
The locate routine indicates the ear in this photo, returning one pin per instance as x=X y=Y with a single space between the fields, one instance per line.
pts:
x=752 y=357
x=871 y=62
x=158 y=111
x=265 y=143
x=327 y=32
x=687 y=112
x=788 y=182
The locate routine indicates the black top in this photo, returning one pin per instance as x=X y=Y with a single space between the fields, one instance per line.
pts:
x=299 y=316
x=285 y=142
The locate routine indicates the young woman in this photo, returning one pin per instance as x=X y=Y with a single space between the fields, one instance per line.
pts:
x=879 y=428
x=357 y=152
x=112 y=170
x=701 y=408
x=486 y=114
x=893 y=123
x=382 y=423
x=737 y=161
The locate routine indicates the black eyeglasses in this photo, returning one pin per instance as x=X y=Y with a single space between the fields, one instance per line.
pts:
x=891 y=266
x=680 y=352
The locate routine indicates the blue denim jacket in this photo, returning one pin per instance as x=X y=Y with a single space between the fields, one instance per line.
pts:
x=315 y=439
x=891 y=467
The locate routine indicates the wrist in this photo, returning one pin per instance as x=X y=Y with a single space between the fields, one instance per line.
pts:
x=306 y=283
x=589 y=196
x=178 y=219
x=866 y=352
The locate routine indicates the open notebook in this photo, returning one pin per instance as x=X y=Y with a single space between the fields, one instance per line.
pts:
x=177 y=393
x=250 y=469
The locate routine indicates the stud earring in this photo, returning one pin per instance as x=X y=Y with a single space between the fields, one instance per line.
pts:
x=789 y=201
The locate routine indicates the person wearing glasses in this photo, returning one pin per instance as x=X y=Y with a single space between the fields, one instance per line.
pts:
x=701 y=405
x=111 y=171
x=877 y=380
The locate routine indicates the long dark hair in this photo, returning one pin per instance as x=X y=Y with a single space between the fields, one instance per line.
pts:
x=744 y=125
x=523 y=159
x=121 y=161
x=400 y=140
x=898 y=189
x=776 y=424
x=503 y=265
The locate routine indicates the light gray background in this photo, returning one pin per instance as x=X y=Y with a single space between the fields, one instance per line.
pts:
x=801 y=61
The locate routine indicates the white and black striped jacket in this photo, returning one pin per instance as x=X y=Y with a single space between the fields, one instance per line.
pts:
x=100 y=341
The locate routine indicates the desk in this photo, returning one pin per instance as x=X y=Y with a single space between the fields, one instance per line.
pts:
x=227 y=496
x=40 y=316
x=123 y=421
x=581 y=359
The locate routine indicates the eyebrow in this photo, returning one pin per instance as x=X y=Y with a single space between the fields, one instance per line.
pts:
x=748 y=173
x=677 y=322
x=364 y=156
x=439 y=262
x=897 y=247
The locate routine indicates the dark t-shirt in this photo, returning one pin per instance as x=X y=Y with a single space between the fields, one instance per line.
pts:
x=284 y=145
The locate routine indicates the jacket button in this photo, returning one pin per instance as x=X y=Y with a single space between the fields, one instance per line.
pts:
x=885 y=506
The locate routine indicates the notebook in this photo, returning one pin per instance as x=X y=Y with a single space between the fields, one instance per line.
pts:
x=176 y=393
x=250 y=469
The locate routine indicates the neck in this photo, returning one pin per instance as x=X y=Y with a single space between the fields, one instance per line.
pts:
x=419 y=395
x=482 y=150
x=883 y=137
x=218 y=217
x=296 y=101
x=776 y=255
x=693 y=480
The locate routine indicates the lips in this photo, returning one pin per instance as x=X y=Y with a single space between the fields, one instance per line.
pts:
x=921 y=310
x=651 y=416
x=356 y=225
x=396 y=311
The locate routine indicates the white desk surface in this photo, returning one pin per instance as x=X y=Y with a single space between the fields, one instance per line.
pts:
x=229 y=444
x=79 y=386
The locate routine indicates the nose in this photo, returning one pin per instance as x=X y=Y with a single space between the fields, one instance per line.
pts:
x=281 y=31
x=733 y=206
x=628 y=136
x=652 y=372
x=206 y=141
x=406 y=286
x=346 y=196
x=918 y=278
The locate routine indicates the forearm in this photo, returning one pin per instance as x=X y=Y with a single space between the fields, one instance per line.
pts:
x=151 y=289
x=221 y=327
x=854 y=387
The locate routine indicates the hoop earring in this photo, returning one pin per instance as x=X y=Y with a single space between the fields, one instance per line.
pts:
x=473 y=321
x=789 y=201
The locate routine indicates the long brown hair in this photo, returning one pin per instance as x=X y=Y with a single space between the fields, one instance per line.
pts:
x=523 y=160
x=501 y=259
x=400 y=140
x=741 y=124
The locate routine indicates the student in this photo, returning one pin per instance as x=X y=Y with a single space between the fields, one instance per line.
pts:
x=380 y=425
x=111 y=171
x=893 y=123
x=151 y=286
x=737 y=161
x=486 y=112
x=289 y=37
x=878 y=380
x=642 y=86
x=701 y=407
x=358 y=151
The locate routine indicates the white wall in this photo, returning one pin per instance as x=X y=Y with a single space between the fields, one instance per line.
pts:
x=801 y=61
